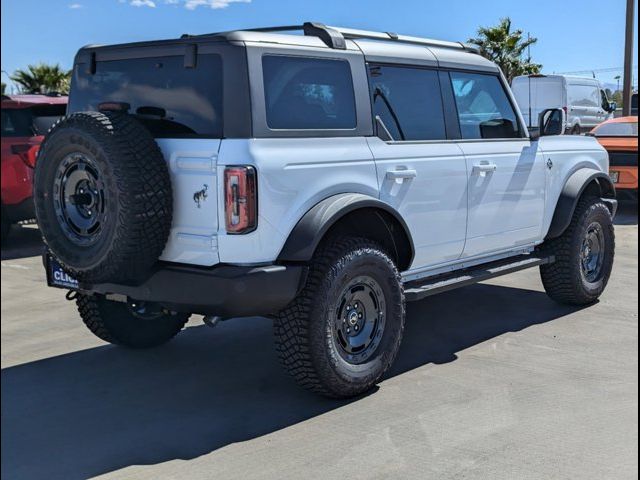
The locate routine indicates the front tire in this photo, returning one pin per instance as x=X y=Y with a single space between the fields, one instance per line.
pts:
x=584 y=256
x=343 y=331
x=133 y=325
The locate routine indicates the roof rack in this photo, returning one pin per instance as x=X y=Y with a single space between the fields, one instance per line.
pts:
x=334 y=37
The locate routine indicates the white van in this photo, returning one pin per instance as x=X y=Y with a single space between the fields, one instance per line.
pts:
x=583 y=99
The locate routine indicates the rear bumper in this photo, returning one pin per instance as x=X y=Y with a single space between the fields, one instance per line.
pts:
x=226 y=291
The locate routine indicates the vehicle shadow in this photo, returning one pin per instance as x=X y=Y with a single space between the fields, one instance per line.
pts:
x=23 y=241
x=627 y=213
x=100 y=410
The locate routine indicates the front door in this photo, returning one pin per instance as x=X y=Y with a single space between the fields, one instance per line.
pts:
x=420 y=173
x=506 y=173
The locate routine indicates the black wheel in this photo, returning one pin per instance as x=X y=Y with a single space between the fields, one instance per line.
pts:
x=576 y=130
x=344 y=330
x=103 y=196
x=133 y=325
x=584 y=256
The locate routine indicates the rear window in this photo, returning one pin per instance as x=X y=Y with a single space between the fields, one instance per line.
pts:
x=28 y=122
x=304 y=93
x=171 y=100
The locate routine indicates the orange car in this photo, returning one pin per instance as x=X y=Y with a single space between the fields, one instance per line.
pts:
x=620 y=137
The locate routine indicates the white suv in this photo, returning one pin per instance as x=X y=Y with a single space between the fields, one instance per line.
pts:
x=320 y=179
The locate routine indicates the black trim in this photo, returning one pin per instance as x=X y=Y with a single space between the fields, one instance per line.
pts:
x=573 y=189
x=451 y=117
x=623 y=159
x=312 y=227
x=225 y=290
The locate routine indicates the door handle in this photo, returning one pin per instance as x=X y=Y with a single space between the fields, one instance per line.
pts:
x=401 y=174
x=485 y=167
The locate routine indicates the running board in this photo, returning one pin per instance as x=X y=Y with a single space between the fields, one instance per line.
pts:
x=419 y=289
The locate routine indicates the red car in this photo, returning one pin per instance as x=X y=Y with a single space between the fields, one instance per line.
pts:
x=25 y=120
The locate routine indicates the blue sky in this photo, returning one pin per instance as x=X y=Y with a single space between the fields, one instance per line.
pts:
x=574 y=35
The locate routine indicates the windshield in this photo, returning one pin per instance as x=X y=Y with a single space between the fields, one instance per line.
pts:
x=28 y=122
x=617 y=129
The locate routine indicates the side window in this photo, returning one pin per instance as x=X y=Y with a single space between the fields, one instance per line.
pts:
x=409 y=102
x=584 y=96
x=484 y=109
x=308 y=93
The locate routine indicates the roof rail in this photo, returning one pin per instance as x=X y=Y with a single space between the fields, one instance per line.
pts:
x=334 y=37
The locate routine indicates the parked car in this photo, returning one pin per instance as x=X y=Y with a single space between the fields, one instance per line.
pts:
x=25 y=119
x=340 y=174
x=583 y=100
x=620 y=137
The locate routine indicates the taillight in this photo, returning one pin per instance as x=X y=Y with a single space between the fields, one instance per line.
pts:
x=27 y=153
x=241 y=199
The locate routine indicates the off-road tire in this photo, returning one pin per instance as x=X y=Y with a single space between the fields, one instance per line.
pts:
x=137 y=196
x=303 y=330
x=575 y=130
x=564 y=280
x=115 y=323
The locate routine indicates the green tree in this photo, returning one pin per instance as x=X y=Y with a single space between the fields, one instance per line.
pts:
x=42 y=78
x=506 y=47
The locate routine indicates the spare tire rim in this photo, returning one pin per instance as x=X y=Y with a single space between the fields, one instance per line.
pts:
x=592 y=253
x=79 y=199
x=359 y=320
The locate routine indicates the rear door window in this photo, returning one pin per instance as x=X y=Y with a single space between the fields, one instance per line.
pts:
x=171 y=100
x=484 y=109
x=303 y=93
x=409 y=102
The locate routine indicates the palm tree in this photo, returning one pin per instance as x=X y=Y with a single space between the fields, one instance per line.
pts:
x=507 y=48
x=42 y=78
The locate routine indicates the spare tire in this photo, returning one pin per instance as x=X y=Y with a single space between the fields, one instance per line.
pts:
x=103 y=197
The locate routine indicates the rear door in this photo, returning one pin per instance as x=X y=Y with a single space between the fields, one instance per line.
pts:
x=506 y=173
x=420 y=173
x=181 y=103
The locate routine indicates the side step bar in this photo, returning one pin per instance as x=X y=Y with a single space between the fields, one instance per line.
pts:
x=419 y=289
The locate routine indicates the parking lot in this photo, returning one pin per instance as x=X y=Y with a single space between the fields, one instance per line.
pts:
x=492 y=381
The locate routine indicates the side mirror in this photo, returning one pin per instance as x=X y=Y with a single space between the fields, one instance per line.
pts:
x=551 y=122
x=613 y=106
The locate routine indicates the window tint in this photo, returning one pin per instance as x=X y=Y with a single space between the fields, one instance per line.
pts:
x=168 y=98
x=409 y=102
x=484 y=110
x=308 y=93
x=584 y=96
x=26 y=122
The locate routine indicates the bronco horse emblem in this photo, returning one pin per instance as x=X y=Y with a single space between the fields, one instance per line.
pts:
x=201 y=195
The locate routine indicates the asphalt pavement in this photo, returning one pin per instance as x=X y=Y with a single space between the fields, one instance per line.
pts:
x=492 y=381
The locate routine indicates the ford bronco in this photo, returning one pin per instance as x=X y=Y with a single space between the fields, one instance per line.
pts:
x=321 y=179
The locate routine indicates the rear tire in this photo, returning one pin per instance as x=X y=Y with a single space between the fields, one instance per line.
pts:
x=576 y=130
x=126 y=325
x=584 y=256
x=343 y=331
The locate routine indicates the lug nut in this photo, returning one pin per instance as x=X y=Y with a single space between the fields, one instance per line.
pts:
x=360 y=315
x=356 y=328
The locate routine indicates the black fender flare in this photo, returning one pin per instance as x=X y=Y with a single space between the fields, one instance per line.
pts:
x=571 y=193
x=316 y=222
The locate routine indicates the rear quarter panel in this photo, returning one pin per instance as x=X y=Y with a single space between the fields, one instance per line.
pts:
x=293 y=175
